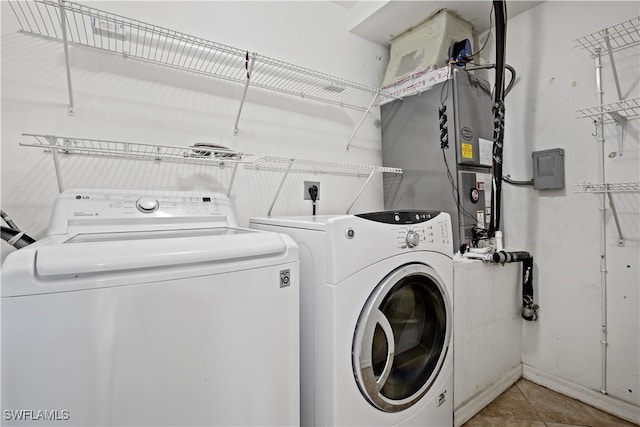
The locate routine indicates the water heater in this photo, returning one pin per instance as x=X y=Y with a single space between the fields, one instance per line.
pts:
x=442 y=140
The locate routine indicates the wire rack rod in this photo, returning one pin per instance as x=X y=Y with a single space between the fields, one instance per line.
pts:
x=619 y=187
x=629 y=108
x=116 y=34
x=282 y=164
x=619 y=36
x=133 y=150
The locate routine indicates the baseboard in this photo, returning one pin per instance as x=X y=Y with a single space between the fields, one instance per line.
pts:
x=617 y=407
x=467 y=410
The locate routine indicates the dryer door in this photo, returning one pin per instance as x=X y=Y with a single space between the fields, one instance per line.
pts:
x=402 y=337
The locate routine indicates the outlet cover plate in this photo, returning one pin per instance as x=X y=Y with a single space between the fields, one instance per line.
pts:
x=308 y=184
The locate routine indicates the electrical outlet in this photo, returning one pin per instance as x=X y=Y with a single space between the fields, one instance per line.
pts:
x=309 y=184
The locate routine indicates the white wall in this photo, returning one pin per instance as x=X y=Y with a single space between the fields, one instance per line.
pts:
x=561 y=228
x=123 y=100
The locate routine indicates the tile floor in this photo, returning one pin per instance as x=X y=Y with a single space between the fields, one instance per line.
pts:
x=527 y=404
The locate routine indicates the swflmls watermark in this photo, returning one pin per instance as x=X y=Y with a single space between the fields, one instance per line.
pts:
x=36 y=415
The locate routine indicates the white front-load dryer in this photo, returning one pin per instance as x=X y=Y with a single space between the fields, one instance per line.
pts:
x=376 y=317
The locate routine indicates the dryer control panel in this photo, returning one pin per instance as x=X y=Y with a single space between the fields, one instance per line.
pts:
x=412 y=236
x=414 y=227
x=400 y=217
x=100 y=210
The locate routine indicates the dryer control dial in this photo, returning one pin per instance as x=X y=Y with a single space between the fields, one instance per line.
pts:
x=147 y=204
x=412 y=238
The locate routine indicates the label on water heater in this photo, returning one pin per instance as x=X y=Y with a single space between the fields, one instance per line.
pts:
x=486 y=151
x=467 y=151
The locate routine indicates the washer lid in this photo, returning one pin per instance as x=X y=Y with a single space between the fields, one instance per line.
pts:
x=113 y=252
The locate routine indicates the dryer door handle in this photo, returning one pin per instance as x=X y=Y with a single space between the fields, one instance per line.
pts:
x=388 y=333
x=372 y=382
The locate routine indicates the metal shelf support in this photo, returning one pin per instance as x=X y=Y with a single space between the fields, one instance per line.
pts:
x=284 y=177
x=361 y=190
x=615 y=218
x=53 y=142
x=608 y=189
x=250 y=61
x=613 y=62
x=65 y=44
x=359 y=125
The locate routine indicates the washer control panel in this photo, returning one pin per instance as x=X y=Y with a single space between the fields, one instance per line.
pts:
x=87 y=208
x=115 y=205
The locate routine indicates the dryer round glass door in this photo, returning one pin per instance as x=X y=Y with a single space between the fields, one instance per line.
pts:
x=402 y=337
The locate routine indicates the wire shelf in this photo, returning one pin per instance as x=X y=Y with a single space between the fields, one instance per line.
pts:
x=196 y=154
x=115 y=34
x=629 y=108
x=616 y=37
x=619 y=187
x=281 y=164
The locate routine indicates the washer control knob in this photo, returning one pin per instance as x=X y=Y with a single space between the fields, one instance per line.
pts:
x=412 y=238
x=147 y=204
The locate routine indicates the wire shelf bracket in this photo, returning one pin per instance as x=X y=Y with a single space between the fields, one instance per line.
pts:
x=78 y=25
x=198 y=155
x=611 y=39
x=608 y=189
x=290 y=165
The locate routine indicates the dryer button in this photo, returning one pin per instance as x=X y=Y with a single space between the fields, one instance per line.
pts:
x=147 y=204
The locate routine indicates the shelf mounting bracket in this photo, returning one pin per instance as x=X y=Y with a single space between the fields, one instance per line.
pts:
x=615 y=218
x=284 y=177
x=232 y=179
x=65 y=44
x=250 y=59
x=364 y=116
x=53 y=142
x=361 y=190
x=621 y=124
x=613 y=63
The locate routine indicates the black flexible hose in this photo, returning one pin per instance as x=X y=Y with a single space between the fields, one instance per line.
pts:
x=500 y=10
x=508 y=180
x=529 y=307
x=8 y=220
x=21 y=242
x=489 y=66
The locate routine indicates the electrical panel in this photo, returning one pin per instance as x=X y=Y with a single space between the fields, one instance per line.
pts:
x=548 y=169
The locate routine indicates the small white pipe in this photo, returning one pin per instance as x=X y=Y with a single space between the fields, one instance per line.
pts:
x=499 y=244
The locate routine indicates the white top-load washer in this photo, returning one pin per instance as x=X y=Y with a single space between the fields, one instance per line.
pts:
x=150 y=308
x=376 y=317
